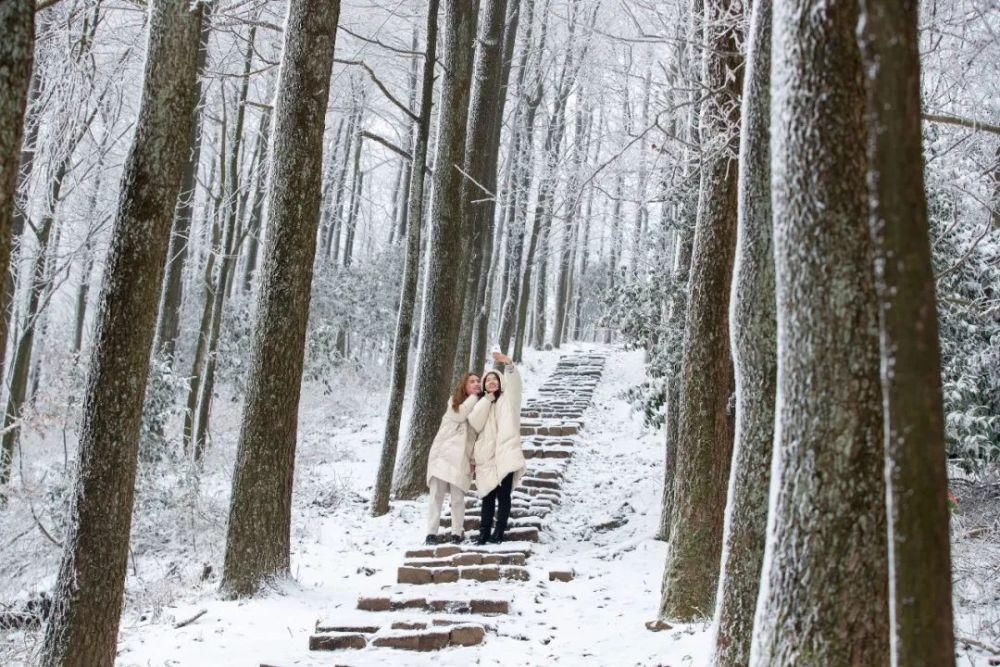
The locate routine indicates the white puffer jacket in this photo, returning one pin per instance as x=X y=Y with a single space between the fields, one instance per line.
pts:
x=450 y=459
x=498 y=447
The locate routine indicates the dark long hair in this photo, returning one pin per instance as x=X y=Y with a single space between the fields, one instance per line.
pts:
x=458 y=396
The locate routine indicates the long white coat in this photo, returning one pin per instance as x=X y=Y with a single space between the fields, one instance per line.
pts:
x=497 y=450
x=451 y=452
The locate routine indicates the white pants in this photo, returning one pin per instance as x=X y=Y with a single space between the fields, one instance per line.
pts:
x=438 y=490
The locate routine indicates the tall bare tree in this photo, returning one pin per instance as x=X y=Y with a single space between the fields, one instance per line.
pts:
x=168 y=326
x=753 y=335
x=443 y=286
x=258 y=539
x=916 y=478
x=704 y=431
x=83 y=625
x=17 y=23
x=828 y=427
x=411 y=267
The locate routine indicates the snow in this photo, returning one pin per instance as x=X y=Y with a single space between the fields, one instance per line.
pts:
x=602 y=531
x=598 y=618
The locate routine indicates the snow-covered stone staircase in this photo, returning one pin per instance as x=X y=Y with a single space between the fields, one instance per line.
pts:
x=431 y=607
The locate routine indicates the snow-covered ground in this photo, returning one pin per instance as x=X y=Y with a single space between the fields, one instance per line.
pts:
x=603 y=530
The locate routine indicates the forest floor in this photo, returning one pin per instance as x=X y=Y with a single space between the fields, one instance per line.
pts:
x=602 y=530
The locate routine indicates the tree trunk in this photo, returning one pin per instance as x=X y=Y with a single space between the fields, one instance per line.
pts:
x=83 y=295
x=443 y=289
x=482 y=147
x=402 y=192
x=255 y=226
x=42 y=317
x=580 y=149
x=21 y=364
x=21 y=354
x=83 y=625
x=258 y=539
x=510 y=313
x=17 y=23
x=585 y=242
x=680 y=272
x=615 y=249
x=916 y=478
x=355 y=200
x=168 y=327
x=828 y=429
x=205 y=323
x=340 y=203
x=411 y=269
x=227 y=265
x=642 y=208
x=487 y=278
x=704 y=426
x=539 y=320
x=753 y=335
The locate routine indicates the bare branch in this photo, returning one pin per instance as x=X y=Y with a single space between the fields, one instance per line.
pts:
x=971 y=123
x=385 y=91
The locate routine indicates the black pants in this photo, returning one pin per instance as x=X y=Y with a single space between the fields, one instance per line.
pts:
x=501 y=493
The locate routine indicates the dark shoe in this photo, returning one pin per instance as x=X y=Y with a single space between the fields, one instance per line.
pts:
x=455 y=539
x=496 y=539
x=432 y=539
x=482 y=539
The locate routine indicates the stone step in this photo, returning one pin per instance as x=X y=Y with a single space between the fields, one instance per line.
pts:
x=540 y=483
x=335 y=641
x=447 y=575
x=431 y=639
x=484 y=606
x=470 y=558
x=564 y=429
x=547 y=452
x=346 y=629
x=549 y=441
x=472 y=522
x=405 y=635
x=452 y=550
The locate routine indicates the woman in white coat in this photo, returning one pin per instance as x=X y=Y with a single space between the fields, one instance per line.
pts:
x=499 y=461
x=449 y=465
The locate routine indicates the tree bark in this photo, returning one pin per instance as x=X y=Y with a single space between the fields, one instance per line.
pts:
x=17 y=24
x=580 y=149
x=482 y=147
x=258 y=539
x=487 y=273
x=443 y=287
x=83 y=625
x=680 y=273
x=205 y=323
x=21 y=353
x=354 y=202
x=227 y=265
x=920 y=595
x=411 y=269
x=510 y=312
x=168 y=327
x=521 y=152
x=753 y=336
x=704 y=426
x=813 y=607
x=255 y=226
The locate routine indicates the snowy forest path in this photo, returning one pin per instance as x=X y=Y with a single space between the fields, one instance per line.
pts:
x=457 y=595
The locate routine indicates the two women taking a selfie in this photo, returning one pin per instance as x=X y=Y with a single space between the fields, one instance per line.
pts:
x=479 y=439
